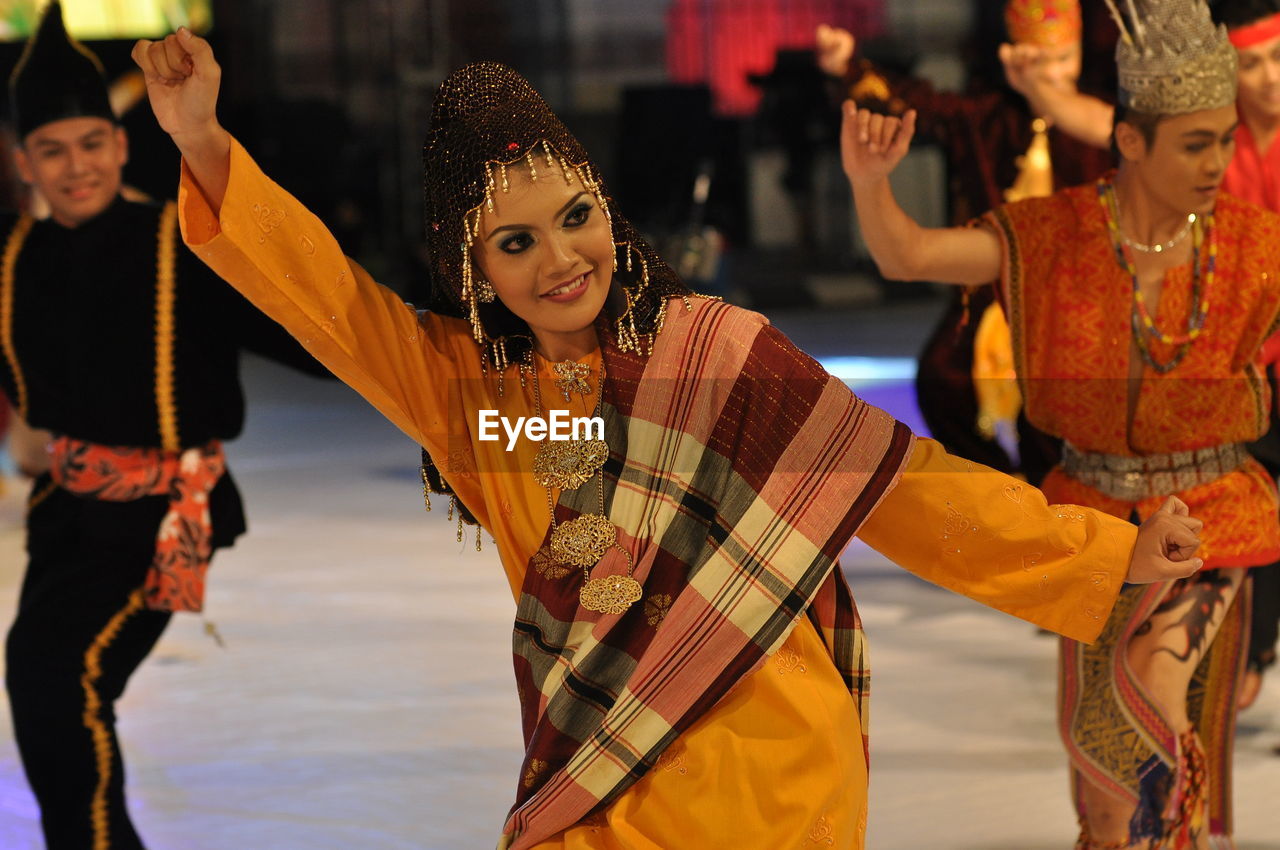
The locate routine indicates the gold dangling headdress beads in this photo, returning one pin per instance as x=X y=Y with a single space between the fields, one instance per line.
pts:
x=487 y=119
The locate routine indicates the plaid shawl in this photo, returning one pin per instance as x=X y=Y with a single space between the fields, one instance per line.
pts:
x=738 y=472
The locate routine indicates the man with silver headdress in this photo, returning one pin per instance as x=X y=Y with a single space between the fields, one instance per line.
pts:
x=1138 y=306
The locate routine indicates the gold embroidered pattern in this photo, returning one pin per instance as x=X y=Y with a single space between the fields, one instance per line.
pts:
x=672 y=759
x=536 y=767
x=40 y=495
x=458 y=464
x=93 y=720
x=656 y=608
x=954 y=526
x=789 y=661
x=545 y=565
x=822 y=833
x=166 y=296
x=12 y=248
x=267 y=220
x=955 y=523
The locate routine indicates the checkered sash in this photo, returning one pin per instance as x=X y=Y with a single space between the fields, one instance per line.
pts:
x=738 y=472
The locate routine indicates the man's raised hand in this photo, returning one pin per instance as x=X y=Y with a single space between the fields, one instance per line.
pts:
x=872 y=145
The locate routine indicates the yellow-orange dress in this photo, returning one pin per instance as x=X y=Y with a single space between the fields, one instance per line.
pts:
x=779 y=761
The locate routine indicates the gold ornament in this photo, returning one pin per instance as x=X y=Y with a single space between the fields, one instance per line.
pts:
x=609 y=595
x=567 y=464
x=572 y=377
x=583 y=541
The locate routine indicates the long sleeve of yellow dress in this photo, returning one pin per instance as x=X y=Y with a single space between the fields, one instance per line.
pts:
x=995 y=539
x=976 y=531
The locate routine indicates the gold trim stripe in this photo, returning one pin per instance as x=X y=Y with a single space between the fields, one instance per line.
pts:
x=166 y=406
x=40 y=495
x=93 y=722
x=17 y=236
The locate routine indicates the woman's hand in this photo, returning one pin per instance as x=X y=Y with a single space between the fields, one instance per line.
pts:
x=182 y=84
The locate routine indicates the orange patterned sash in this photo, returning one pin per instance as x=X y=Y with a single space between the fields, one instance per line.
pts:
x=184 y=543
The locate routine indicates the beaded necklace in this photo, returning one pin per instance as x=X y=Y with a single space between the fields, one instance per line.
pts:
x=1141 y=321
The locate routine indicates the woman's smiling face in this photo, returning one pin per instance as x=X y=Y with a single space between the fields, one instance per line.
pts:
x=547 y=249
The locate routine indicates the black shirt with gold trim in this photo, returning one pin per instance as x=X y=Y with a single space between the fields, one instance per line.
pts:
x=114 y=333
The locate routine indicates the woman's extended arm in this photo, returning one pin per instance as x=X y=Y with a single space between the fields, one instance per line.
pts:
x=266 y=244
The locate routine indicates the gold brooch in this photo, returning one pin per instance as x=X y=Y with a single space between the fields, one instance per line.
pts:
x=572 y=377
x=583 y=541
x=567 y=464
x=609 y=595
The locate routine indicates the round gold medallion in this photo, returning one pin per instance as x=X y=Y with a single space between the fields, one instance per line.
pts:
x=583 y=541
x=609 y=595
x=567 y=464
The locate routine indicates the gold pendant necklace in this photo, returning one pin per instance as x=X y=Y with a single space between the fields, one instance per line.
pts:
x=584 y=540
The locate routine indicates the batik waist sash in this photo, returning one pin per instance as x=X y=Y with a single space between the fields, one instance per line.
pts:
x=1133 y=478
x=184 y=542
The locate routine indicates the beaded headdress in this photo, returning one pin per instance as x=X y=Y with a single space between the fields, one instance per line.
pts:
x=1172 y=59
x=486 y=120
x=1044 y=23
x=57 y=77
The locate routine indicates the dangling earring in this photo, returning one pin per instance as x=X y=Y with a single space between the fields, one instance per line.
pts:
x=484 y=291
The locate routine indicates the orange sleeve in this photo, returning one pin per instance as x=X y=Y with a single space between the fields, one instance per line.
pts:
x=995 y=539
x=284 y=260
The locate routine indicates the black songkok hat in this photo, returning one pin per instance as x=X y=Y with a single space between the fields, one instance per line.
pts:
x=56 y=78
x=486 y=119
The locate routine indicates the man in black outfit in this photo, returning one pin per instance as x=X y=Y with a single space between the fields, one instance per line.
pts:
x=125 y=348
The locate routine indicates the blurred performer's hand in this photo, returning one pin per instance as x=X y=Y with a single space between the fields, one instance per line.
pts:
x=1020 y=63
x=29 y=448
x=835 y=49
x=872 y=145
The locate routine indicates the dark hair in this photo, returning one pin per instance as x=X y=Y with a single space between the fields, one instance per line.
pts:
x=1241 y=13
x=1144 y=122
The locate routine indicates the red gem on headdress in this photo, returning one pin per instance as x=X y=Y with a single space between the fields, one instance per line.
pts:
x=435 y=225
x=513 y=146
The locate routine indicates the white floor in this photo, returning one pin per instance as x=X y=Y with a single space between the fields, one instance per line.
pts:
x=364 y=700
